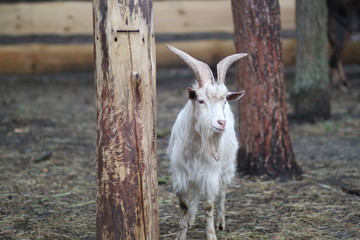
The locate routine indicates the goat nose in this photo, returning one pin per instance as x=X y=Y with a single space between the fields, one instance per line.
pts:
x=222 y=123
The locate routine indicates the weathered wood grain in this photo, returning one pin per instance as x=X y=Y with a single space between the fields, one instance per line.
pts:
x=127 y=205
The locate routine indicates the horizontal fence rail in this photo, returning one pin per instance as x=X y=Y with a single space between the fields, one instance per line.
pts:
x=75 y=18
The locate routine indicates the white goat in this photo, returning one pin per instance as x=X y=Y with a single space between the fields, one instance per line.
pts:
x=203 y=144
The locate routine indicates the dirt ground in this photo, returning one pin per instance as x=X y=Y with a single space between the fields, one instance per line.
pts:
x=47 y=171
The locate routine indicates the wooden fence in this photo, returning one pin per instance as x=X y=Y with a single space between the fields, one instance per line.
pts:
x=45 y=37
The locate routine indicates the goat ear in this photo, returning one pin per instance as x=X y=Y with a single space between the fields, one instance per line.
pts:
x=191 y=93
x=233 y=96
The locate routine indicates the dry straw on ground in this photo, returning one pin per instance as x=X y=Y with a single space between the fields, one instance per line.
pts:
x=55 y=198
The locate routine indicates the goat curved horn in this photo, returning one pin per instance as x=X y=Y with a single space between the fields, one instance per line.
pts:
x=224 y=65
x=201 y=70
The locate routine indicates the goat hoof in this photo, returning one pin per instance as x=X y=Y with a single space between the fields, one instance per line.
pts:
x=221 y=228
x=220 y=225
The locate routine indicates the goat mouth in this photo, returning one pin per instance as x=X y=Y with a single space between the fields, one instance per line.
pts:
x=217 y=129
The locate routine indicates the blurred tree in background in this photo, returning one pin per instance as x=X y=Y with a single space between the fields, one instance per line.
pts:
x=310 y=92
x=265 y=146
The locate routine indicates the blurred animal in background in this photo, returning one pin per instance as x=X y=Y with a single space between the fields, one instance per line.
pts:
x=343 y=21
x=203 y=144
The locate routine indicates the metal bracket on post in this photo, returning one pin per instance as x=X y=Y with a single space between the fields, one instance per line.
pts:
x=127 y=31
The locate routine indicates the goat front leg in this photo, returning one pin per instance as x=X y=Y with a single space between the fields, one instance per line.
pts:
x=209 y=214
x=194 y=202
x=184 y=219
x=220 y=215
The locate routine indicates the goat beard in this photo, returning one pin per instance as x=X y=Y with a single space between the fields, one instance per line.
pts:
x=210 y=140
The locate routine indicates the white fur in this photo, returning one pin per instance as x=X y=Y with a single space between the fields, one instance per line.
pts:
x=203 y=144
x=202 y=160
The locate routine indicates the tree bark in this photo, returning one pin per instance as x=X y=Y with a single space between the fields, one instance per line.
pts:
x=265 y=146
x=127 y=206
x=310 y=92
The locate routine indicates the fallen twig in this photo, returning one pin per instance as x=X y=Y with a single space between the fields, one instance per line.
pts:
x=345 y=189
x=325 y=186
x=43 y=157
x=168 y=235
x=55 y=196
x=81 y=204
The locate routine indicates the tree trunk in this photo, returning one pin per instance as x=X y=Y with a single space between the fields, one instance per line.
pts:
x=127 y=206
x=310 y=93
x=265 y=146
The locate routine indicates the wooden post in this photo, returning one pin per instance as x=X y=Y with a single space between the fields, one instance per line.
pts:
x=127 y=206
x=265 y=146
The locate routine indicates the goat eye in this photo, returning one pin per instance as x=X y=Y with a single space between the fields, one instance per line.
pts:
x=201 y=101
